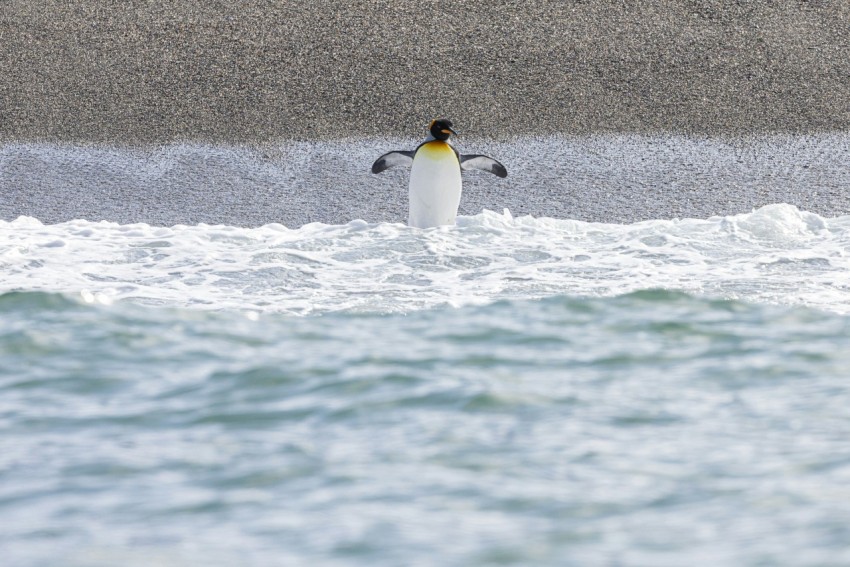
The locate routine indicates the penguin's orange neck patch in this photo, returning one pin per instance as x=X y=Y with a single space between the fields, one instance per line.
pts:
x=437 y=149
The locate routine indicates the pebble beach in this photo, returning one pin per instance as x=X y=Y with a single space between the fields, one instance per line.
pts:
x=313 y=92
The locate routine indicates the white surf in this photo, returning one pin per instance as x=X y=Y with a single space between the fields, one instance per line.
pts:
x=776 y=254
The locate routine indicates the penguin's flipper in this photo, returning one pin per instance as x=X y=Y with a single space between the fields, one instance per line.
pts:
x=392 y=159
x=483 y=163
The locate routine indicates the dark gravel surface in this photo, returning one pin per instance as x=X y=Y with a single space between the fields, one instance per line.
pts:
x=132 y=72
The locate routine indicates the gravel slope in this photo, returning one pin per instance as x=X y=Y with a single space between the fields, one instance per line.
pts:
x=258 y=70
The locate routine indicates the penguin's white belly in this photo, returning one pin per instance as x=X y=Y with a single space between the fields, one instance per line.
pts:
x=435 y=186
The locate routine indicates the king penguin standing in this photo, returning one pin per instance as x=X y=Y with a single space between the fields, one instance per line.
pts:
x=435 y=175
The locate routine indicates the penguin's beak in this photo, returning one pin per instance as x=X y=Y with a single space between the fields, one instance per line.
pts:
x=448 y=131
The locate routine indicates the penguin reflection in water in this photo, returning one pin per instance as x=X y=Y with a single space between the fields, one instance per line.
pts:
x=435 y=168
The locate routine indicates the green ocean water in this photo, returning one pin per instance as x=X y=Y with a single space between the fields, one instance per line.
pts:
x=648 y=428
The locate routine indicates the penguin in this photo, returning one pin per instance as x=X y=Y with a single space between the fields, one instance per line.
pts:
x=435 y=175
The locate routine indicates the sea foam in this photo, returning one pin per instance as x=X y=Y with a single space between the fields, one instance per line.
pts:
x=776 y=254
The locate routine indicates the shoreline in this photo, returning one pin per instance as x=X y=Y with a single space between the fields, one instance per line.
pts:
x=598 y=178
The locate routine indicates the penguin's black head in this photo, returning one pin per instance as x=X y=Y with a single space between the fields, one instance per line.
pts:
x=441 y=129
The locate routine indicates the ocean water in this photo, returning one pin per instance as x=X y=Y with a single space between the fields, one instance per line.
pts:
x=508 y=391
